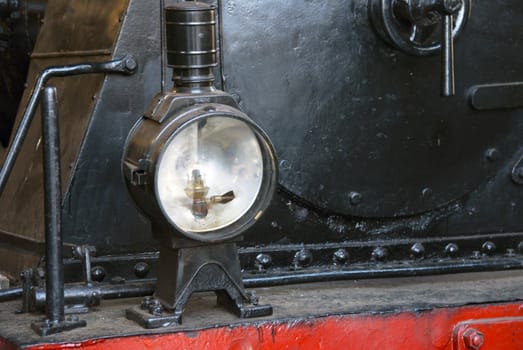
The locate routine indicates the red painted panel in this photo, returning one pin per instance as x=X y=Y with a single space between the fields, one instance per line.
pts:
x=406 y=330
x=492 y=334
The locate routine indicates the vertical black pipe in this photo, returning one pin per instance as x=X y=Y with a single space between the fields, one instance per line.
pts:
x=447 y=57
x=53 y=199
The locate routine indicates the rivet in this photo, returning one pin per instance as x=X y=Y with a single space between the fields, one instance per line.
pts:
x=302 y=258
x=380 y=253
x=520 y=247
x=141 y=269
x=492 y=154
x=426 y=192
x=355 y=198
x=476 y=254
x=473 y=339
x=130 y=63
x=262 y=261
x=510 y=252
x=488 y=247
x=146 y=301
x=451 y=249
x=340 y=256
x=284 y=164
x=155 y=307
x=97 y=273
x=417 y=249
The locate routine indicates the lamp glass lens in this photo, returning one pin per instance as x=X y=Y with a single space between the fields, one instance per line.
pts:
x=209 y=174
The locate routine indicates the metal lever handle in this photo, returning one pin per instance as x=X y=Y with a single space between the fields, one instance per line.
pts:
x=409 y=25
x=126 y=65
x=447 y=56
x=448 y=8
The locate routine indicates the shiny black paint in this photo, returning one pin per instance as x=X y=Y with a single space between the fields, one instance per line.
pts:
x=349 y=115
x=53 y=207
x=55 y=321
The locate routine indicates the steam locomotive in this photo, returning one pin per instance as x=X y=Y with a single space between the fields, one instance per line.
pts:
x=230 y=174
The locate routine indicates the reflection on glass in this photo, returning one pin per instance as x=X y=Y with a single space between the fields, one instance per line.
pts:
x=209 y=174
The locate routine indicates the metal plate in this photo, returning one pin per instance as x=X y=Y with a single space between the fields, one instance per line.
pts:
x=433 y=306
x=350 y=115
x=489 y=333
x=497 y=96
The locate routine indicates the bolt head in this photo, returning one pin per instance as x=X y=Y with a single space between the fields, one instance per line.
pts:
x=141 y=269
x=156 y=310
x=340 y=256
x=355 y=198
x=417 y=249
x=492 y=154
x=153 y=305
x=473 y=339
x=303 y=258
x=451 y=249
x=130 y=64
x=488 y=248
x=426 y=192
x=146 y=301
x=380 y=253
x=97 y=273
x=262 y=261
